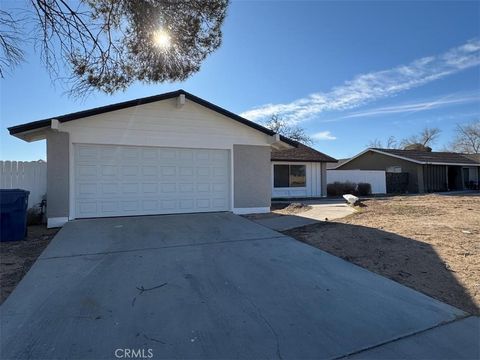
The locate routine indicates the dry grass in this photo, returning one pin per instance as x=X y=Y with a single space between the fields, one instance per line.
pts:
x=17 y=257
x=430 y=243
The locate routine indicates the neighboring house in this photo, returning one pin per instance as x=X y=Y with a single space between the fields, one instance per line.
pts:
x=299 y=172
x=334 y=165
x=427 y=171
x=170 y=153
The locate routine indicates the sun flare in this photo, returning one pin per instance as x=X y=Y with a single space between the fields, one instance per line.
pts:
x=162 y=39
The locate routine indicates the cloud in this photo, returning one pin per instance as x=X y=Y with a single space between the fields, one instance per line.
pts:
x=417 y=106
x=372 y=86
x=323 y=135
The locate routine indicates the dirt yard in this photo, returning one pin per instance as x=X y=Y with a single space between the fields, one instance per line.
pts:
x=430 y=243
x=17 y=257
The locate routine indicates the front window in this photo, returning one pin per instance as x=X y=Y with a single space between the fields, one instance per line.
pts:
x=289 y=176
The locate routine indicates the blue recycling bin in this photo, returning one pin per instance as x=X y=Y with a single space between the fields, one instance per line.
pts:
x=13 y=214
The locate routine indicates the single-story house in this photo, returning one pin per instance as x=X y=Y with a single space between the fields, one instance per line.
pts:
x=423 y=171
x=299 y=172
x=334 y=165
x=169 y=153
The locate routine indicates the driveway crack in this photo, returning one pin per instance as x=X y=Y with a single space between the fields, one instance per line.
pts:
x=272 y=329
x=141 y=290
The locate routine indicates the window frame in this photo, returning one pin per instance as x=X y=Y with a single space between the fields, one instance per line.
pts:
x=289 y=175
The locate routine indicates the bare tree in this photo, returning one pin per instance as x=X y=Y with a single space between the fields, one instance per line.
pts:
x=467 y=139
x=426 y=138
x=390 y=143
x=108 y=44
x=375 y=143
x=10 y=38
x=294 y=132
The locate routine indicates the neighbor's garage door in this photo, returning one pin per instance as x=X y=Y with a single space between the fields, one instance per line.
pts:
x=128 y=180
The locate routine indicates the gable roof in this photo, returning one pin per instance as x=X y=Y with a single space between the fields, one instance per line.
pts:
x=424 y=157
x=301 y=153
x=141 y=101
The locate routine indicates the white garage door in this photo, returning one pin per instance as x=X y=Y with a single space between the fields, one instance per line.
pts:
x=129 y=180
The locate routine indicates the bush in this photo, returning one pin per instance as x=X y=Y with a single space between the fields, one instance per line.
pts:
x=341 y=188
x=34 y=216
x=364 y=189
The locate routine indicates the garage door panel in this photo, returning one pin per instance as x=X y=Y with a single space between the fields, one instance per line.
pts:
x=122 y=181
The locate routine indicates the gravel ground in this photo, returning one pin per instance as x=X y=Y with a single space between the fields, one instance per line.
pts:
x=428 y=242
x=17 y=257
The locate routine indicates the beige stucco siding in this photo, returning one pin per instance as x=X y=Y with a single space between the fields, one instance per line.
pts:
x=375 y=161
x=57 y=175
x=251 y=183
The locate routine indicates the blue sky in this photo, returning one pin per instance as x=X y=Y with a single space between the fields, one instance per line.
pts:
x=348 y=72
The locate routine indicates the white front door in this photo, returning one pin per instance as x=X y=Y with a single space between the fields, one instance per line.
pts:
x=133 y=180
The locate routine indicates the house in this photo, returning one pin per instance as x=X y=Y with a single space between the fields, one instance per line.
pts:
x=334 y=165
x=169 y=153
x=417 y=171
x=299 y=172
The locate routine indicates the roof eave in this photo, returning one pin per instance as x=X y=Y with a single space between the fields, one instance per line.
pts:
x=16 y=130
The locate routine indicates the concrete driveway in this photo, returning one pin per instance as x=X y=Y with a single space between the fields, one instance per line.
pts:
x=202 y=286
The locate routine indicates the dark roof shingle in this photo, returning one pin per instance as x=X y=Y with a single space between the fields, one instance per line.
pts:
x=301 y=153
x=431 y=156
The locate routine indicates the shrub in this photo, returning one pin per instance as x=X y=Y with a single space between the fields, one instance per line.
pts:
x=34 y=216
x=364 y=189
x=341 y=188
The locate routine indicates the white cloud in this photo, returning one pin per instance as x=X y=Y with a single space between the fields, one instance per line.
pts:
x=372 y=86
x=417 y=106
x=323 y=135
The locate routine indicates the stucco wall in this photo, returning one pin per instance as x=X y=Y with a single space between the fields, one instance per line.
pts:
x=252 y=177
x=375 y=161
x=57 y=175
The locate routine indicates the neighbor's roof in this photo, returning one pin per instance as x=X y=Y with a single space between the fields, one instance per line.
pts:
x=431 y=156
x=146 y=100
x=474 y=157
x=301 y=153
x=424 y=157
x=332 y=166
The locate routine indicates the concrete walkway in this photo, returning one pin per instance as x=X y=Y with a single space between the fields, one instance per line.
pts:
x=321 y=210
x=203 y=286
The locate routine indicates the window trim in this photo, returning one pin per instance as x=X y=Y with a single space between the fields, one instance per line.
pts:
x=289 y=164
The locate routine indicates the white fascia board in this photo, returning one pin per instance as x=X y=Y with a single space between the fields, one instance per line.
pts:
x=452 y=164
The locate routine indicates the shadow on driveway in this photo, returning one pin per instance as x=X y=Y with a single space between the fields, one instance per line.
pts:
x=410 y=262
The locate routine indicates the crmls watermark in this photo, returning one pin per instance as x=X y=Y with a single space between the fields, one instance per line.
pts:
x=133 y=353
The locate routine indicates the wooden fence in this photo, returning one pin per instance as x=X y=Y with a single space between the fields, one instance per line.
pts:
x=26 y=175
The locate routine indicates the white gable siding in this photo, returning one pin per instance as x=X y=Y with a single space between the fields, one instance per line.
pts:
x=163 y=124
